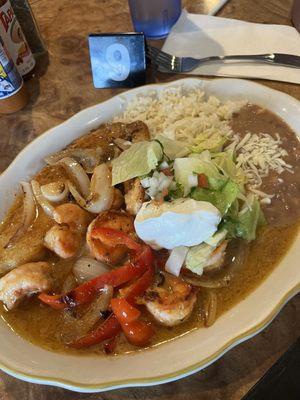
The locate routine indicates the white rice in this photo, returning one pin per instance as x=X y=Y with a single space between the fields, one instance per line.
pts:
x=180 y=113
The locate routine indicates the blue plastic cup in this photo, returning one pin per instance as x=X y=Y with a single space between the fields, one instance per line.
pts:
x=154 y=17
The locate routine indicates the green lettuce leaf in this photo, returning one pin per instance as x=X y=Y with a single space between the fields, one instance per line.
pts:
x=197 y=164
x=222 y=198
x=225 y=162
x=249 y=221
x=173 y=148
x=140 y=159
x=244 y=224
x=212 y=142
x=198 y=256
x=175 y=193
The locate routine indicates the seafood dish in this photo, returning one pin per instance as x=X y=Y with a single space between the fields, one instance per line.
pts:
x=151 y=225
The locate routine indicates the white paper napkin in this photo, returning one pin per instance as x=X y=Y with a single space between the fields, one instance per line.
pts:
x=197 y=35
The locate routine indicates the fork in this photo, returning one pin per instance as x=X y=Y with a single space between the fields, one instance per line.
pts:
x=187 y=64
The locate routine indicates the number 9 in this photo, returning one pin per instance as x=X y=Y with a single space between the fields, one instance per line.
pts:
x=118 y=59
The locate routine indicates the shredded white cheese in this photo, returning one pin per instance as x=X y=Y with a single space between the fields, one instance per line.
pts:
x=256 y=155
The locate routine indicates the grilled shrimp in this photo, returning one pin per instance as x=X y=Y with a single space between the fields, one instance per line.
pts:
x=73 y=216
x=101 y=247
x=217 y=257
x=170 y=302
x=24 y=281
x=118 y=199
x=134 y=197
x=65 y=239
x=62 y=241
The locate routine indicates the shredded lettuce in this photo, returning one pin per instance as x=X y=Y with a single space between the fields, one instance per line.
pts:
x=198 y=256
x=225 y=162
x=172 y=148
x=140 y=159
x=176 y=192
x=249 y=221
x=212 y=142
x=222 y=198
x=244 y=224
x=197 y=164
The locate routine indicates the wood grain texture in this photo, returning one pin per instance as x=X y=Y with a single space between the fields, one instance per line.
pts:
x=62 y=87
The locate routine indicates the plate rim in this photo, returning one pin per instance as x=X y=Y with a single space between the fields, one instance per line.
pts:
x=160 y=379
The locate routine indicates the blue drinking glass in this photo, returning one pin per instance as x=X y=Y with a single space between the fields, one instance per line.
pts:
x=154 y=17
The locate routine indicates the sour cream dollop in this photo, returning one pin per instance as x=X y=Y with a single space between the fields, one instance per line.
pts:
x=181 y=222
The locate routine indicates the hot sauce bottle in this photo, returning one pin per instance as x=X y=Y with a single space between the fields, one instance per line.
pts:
x=14 y=40
x=13 y=94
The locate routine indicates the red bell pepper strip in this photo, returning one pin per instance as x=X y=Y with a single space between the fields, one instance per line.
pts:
x=124 y=311
x=202 y=181
x=55 y=301
x=138 y=333
x=111 y=326
x=86 y=292
x=116 y=238
x=140 y=286
x=109 y=329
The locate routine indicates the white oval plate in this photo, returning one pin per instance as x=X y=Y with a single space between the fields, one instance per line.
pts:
x=184 y=355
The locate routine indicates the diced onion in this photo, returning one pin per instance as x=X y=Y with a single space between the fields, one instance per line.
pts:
x=146 y=182
x=176 y=260
x=164 y=165
x=77 y=174
x=193 y=180
x=55 y=191
x=156 y=184
x=43 y=202
x=86 y=268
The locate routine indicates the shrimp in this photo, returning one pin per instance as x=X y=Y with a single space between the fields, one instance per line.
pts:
x=65 y=239
x=62 y=241
x=216 y=259
x=171 y=301
x=73 y=216
x=134 y=197
x=101 y=247
x=118 y=199
x=24 y=281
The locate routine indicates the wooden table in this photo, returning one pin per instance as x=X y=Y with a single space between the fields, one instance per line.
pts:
x=64 y=87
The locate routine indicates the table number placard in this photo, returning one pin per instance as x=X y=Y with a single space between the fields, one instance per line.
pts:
x=117 y=59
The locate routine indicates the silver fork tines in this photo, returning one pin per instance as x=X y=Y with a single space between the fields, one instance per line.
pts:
x=163 y=59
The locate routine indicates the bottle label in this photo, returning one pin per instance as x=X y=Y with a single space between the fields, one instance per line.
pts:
x=14 y=40
x=10 y=79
